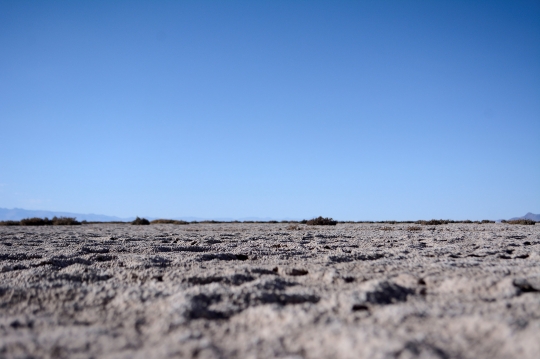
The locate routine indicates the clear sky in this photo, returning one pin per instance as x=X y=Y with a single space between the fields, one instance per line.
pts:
x=358 y=110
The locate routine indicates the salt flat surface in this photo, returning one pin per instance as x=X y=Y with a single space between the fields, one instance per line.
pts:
x=265 y=291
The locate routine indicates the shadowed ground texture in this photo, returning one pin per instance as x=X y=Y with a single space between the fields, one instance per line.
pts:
x=265 y=291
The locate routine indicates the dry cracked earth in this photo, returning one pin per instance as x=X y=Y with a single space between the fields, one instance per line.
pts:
x=266 y=291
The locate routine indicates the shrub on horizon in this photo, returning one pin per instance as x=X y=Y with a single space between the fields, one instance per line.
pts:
x=140 y=222
x=168 y=221
x=435 y=222
x=65 y=221
x=320 y=221
x=529 y=222
x=35 y=221
x=9 y=223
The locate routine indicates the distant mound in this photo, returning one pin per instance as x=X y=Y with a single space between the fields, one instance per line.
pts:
x=531 y=216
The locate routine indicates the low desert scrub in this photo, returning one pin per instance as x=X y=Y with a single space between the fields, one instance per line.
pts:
x=435 y=222
x=386 y=228
x=414 y=228
x=168 y=221
x=529 y=222
x=320 y=221
x=9 y=223
x=35 y=221
x=140 y=222
x=55 y=221
x=65 y=221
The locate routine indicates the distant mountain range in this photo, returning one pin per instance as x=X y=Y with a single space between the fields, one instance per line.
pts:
x=16 y=214
x=532 y=216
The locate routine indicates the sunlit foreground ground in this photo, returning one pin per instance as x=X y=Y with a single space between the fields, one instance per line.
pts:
x=265 y=291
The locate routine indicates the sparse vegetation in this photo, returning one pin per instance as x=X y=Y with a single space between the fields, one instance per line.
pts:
x=140 y=222
x=529 y=222
x=36 y=221
x=65 y=221
x=434 y=222
x=9 y=223
x=320 y=221
x=168 y=221
x=315 y=221
x=414 y=228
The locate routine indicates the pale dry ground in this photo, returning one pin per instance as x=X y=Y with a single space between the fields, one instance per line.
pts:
x=263 y=291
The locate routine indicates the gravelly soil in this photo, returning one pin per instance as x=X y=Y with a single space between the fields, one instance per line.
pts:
x=265 y=291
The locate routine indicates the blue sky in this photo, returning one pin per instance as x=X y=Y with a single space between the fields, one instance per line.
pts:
x=358 y=110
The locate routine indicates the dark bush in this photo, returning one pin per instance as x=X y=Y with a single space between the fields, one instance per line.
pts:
x=529 y=222
x=434 y=222
x=168 y=221
x=65 y=221
x=320 y=221
x=56 y=221
x=9 y=223
x=487 y=221
x=35 y=221
x=140 y=222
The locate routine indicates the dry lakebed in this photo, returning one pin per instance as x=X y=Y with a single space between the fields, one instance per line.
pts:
x=239 y=290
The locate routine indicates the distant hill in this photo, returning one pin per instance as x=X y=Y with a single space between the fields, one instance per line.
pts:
x=16 y=214
x=532 y=216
